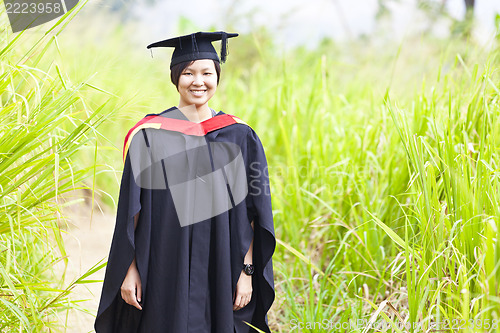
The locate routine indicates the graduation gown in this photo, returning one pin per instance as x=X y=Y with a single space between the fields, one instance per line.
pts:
x=190 y=265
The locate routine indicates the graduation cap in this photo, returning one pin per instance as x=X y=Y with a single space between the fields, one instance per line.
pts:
x=196 y=46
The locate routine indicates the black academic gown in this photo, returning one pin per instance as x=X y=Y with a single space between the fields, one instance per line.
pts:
x=189 y=273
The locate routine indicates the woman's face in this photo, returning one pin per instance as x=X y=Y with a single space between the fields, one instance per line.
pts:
x=197 y=83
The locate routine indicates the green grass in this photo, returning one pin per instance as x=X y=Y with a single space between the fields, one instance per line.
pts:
x=45 y=122
x=384 y=170
x=384 y=167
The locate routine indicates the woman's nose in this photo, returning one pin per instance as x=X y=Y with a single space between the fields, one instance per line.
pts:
x=198 y=80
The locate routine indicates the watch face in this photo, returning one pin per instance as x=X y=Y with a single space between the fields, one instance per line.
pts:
x=249 y=269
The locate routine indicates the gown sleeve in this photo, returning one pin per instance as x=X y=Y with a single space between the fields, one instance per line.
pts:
x=113 y=311
x=259 y=209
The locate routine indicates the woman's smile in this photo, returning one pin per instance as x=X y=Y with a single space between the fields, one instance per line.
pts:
x=197 y=84
x=198 y=92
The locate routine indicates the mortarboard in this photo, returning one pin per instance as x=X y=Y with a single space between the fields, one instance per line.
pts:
x=196 y=46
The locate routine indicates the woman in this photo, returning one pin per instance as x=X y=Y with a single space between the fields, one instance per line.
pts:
x=194 y=235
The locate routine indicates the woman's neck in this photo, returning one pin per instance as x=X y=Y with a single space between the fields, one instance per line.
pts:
x=194 y=113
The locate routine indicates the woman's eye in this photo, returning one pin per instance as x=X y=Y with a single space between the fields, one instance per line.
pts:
x=187 y=74
x=208 y=73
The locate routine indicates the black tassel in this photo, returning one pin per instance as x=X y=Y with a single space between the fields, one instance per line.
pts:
x=223 y=49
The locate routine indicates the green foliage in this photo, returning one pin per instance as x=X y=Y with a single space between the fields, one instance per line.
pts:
x=497 y=26
x=384 y=170
x=45 y=122
x=383 y=206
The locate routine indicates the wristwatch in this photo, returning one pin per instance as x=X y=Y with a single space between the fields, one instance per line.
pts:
x=248 y=269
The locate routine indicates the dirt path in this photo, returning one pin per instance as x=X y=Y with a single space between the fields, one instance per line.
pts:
x=87 y=242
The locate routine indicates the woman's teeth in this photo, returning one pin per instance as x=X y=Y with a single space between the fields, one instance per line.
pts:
x=198 y=92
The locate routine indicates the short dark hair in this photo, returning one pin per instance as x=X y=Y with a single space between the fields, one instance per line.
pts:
x=176 y=71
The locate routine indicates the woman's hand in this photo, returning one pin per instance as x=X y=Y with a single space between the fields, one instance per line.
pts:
x=131 y=283
x=243 y=291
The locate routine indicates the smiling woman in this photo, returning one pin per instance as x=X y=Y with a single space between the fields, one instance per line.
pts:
x=197 y=84
x=175 y=71
x=193 y=242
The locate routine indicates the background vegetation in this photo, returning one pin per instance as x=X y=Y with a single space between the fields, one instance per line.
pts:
x=384 y=167
x=45 y=123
